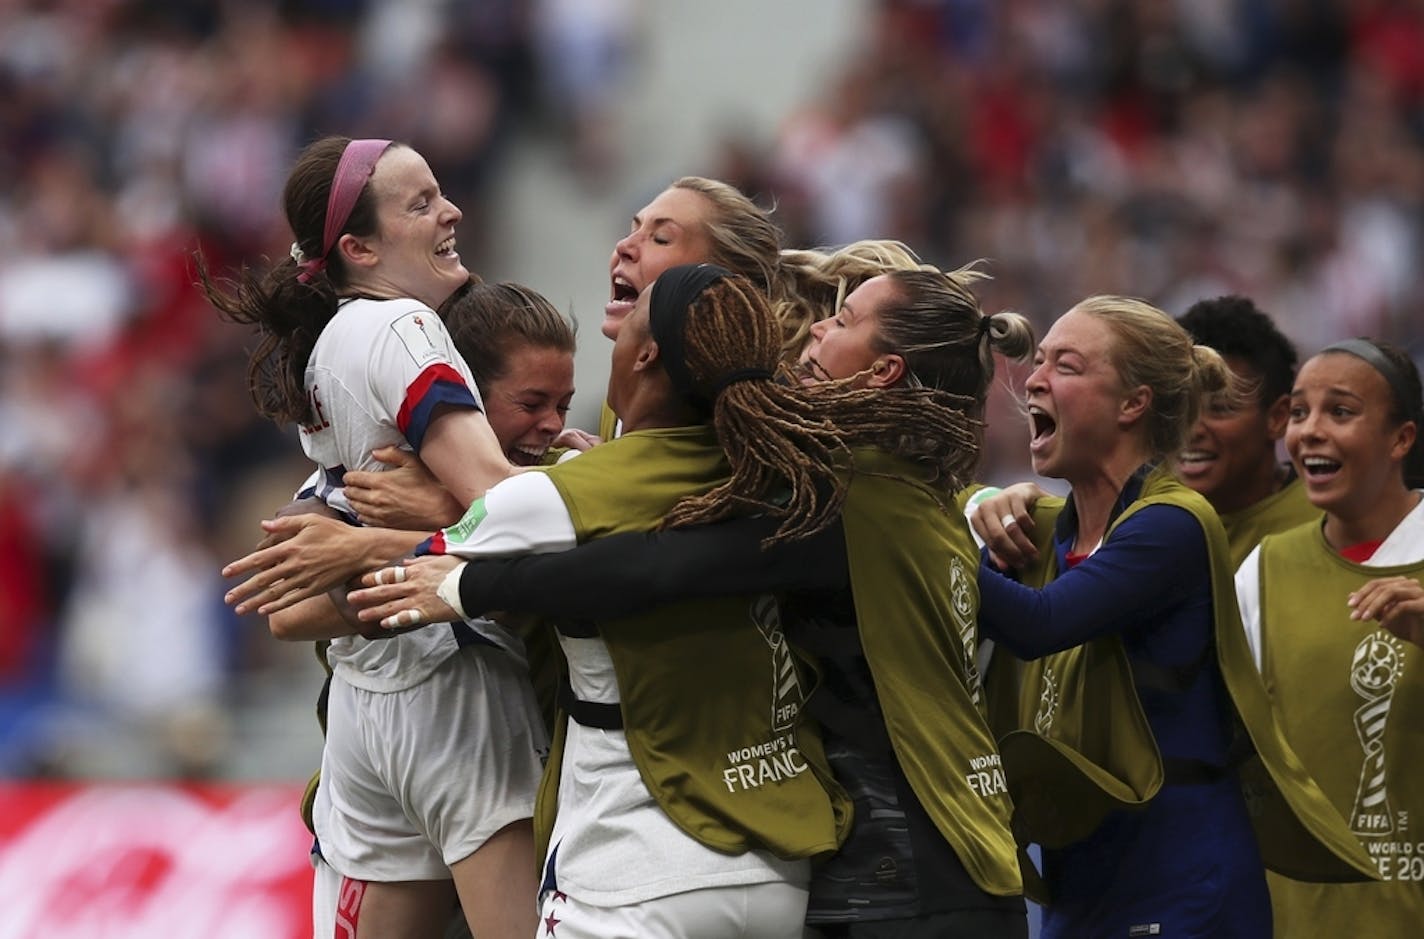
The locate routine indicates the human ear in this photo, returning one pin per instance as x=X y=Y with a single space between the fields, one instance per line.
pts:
x=648 y=357
x=1135 y=404
x=355 y=251
x=887 y=371
x=1277 y=416
x=1403 y=441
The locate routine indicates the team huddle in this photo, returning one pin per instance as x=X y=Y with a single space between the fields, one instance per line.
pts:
x=763 y=658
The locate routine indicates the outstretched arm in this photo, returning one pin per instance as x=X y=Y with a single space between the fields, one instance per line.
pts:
x=310 y=555
x=461 y=450
x=619 y=575
x=1151 y=563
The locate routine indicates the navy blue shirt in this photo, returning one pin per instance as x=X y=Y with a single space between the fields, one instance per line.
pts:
x=1188 y=862
x=1150 y=584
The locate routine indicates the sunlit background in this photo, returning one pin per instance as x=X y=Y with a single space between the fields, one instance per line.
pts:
x=1169 y=149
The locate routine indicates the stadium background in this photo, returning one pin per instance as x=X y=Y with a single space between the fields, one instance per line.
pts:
x=1170 y=149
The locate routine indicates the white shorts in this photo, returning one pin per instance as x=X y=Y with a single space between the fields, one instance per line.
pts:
x=756 y=911
x=413 y=781
x=326 y=893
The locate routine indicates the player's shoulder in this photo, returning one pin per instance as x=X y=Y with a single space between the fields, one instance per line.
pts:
x=373 y=316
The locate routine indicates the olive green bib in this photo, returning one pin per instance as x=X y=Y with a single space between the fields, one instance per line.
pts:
x=1281 y=510
x=607 y=422
x=1350 y=697
x=1084 y=747
x=711 y=695
x=914 y=569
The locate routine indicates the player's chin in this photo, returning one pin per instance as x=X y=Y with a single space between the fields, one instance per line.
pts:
x=454 y=274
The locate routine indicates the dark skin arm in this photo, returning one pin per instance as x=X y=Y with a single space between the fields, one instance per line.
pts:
x=619 y=575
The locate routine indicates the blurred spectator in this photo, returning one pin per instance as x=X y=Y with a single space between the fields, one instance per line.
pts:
x=130 y=458
x=583 y=48
x=1168 y=149
x=1163 y=149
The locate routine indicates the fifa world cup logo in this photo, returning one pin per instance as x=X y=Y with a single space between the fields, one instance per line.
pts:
x=1047 y=702
x=787 y=697
x=962 y=602
x=1374 y=671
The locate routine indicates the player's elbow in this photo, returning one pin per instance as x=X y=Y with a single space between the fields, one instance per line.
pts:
x=284 y=626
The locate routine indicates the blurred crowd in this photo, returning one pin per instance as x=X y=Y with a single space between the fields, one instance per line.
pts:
x=137 y=133
x=1166 y=149
x=1162 y=148
x=1169 y=149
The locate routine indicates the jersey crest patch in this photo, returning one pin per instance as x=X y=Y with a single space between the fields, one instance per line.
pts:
x=421 y=334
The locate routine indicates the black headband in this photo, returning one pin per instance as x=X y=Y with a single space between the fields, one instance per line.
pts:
x=673 y=292
x=1377 y=360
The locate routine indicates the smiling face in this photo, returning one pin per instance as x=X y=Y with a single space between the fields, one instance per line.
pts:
x=666 y=232
x=1230 y=457
x=526 y=406
x=849 y=343
x=413 y=249
x=1075 y=397
x=1341 y=437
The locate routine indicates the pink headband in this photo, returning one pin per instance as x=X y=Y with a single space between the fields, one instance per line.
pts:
x=358 y=161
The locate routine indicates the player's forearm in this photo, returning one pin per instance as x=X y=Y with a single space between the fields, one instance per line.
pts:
x=371 y=548
x=310 y=620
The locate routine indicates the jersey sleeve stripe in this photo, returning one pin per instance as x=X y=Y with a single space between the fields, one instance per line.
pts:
x=438 y=384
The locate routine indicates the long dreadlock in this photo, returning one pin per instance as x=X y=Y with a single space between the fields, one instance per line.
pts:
x=789 y=445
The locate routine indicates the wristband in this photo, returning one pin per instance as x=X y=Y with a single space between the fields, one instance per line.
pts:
x=449 y=590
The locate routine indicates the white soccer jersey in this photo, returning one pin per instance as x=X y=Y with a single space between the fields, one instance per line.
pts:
x=375 y=376
x=1405 y=545
x=612 y=843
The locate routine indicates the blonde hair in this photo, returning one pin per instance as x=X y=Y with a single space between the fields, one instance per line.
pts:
x=1150 y=348
x=814 y=282
x=936 y=324
x=744 y=238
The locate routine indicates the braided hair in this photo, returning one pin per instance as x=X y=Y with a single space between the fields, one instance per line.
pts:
x=789 y=445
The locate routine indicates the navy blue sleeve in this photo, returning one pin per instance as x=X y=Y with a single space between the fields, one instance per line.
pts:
x=620 y=575
x=1154 y=561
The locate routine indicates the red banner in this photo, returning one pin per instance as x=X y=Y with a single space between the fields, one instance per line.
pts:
x=153 y=861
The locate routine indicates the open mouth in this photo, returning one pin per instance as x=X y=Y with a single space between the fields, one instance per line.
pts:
x=1041 y=424
x=623 y=291
x=622 y=296
x=525 y=456
x=1195 y=461
x=446 y=248
x=1319 y=467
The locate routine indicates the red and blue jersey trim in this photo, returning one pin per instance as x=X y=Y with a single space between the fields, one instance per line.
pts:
x=439 y=384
